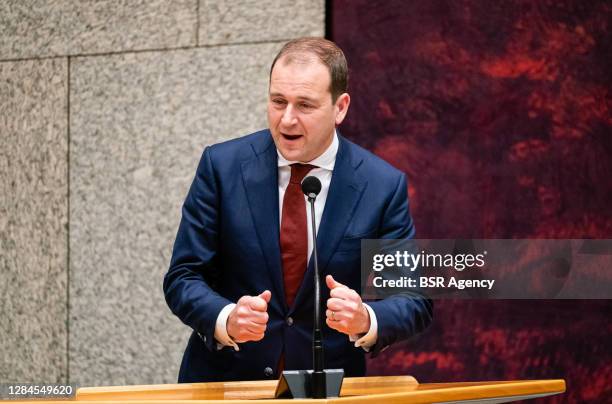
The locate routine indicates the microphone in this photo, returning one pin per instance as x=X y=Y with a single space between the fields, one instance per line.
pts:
x=311 y=186
x=319 y=382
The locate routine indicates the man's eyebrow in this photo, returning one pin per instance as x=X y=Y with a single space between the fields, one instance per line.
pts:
x=299 y=97
x=304 y=98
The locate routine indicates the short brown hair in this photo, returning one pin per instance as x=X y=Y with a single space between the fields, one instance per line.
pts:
x=327 y=52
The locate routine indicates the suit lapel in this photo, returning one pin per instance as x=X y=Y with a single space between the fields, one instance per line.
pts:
x=260 y=176
x=345 y=191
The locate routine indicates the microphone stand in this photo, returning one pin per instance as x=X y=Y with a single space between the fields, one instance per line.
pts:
x=319 y=382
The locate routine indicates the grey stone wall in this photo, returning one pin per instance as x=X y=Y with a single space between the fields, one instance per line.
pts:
x=105 y=108
x=33 y=220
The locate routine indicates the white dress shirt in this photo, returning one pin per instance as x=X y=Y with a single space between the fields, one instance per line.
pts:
x=324 y=167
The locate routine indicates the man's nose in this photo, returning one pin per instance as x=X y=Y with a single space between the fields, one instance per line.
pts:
x=288 y=117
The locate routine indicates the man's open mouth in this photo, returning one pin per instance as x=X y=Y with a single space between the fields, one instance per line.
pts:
x=290 y=137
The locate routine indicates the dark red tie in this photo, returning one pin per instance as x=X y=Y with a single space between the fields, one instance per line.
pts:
x=294 y=233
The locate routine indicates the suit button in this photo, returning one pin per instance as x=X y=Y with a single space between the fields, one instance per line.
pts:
x=268 y=371
x=289 y=321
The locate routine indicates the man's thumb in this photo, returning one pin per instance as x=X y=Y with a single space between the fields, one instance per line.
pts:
x=332 y=283
x=266 y=295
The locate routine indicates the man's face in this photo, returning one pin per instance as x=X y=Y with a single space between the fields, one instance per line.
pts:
x=301 y=114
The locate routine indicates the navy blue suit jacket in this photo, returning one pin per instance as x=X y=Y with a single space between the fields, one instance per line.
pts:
x=227 y=246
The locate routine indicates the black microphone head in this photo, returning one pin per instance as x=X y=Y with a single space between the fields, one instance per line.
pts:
x=311 y=186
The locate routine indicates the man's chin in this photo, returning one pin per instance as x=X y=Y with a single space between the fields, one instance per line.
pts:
x=292 y=154
x=291 y=150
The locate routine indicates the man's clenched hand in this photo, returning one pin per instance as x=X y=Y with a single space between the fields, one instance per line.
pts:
x=248 y=320
x=345 y=310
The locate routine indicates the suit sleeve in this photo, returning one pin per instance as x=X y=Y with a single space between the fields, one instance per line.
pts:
x=190 y=280
x=403 y=315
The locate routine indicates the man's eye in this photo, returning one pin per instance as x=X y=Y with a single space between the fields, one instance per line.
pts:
x=278 y=101
x=305 y=106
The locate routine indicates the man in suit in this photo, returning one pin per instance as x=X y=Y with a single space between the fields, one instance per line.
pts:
x=240 y=274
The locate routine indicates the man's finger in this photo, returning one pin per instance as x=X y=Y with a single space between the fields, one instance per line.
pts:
x=255 y=328
x=339 y=326
x=265 y=295
x=335 y=304
x=259 y=317
x=257 y=303
x=249 y=336
x=341 y=293
x=257 y=337
x=332 y=283
x=246 y=334
x=331 y=324
x=336 y=315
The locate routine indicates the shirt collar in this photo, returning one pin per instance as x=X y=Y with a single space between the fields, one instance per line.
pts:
x=326 y=160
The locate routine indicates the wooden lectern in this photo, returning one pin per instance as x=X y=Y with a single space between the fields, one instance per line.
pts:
x=355 y=390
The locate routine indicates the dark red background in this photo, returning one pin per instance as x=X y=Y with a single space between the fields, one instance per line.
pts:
x=499 y=112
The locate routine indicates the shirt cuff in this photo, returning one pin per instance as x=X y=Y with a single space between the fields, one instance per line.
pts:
x=221 y=335
x=369 y=339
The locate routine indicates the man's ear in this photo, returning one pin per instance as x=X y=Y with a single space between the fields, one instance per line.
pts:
x=341 y=106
